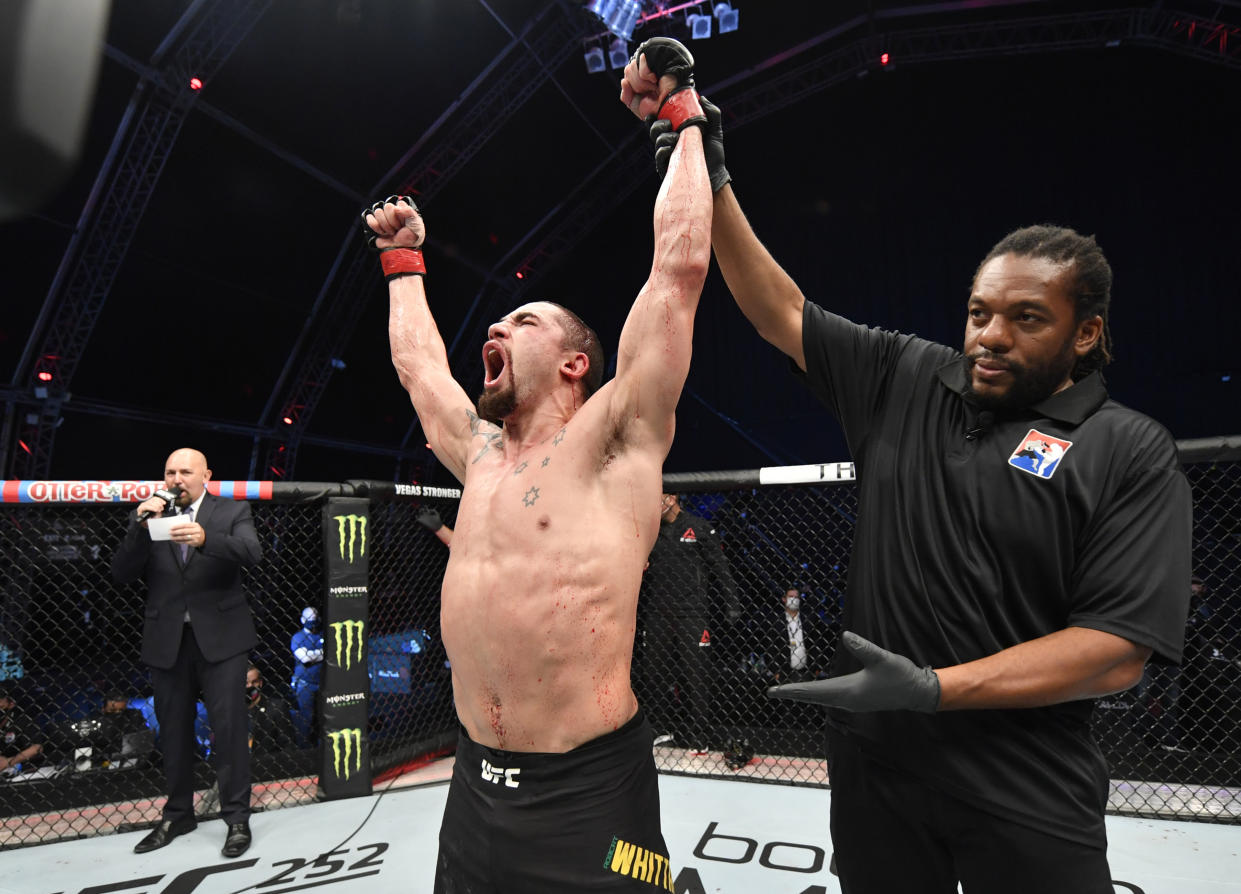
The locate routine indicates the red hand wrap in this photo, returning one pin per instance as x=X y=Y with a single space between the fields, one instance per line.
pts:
x=398 y=261
x=682 y=108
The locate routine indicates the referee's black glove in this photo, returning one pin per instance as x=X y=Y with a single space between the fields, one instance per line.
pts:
x=886 y=682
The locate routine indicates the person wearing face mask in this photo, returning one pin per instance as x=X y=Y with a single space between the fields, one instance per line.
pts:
x=307 y=648
x=796 y=642
x=271 y=729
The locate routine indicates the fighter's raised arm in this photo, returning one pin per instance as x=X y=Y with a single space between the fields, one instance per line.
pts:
x=655 y=344
x=444 y=409
x=768 y=296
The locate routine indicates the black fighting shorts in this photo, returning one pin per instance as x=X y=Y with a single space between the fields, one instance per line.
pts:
x=585 y=820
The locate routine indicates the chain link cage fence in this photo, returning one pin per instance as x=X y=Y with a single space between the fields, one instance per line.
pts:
x=707 y=646
x=69 y=643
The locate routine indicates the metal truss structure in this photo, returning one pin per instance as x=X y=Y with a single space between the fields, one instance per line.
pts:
x=612 y=181
x=197 y=46
x=203 y=38
x=541 y=47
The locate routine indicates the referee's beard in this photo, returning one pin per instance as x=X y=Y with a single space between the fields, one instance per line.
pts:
x=1030 y=384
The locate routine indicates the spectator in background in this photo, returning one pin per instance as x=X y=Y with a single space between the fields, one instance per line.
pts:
x=21 y=744
x=796 y=642
x=123 y=730
x=1211 y=628
x=271 y=729
x=307 y=648
x=430 y=519
x=687 y=590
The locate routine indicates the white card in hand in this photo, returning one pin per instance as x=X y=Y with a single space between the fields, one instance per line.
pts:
x=160 y=528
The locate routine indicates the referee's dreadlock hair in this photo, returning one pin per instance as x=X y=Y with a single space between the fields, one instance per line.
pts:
x=1090 y=283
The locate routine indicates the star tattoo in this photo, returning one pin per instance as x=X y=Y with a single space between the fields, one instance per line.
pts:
x=531 y=497
x=520 y=469
x=559 y=437
x=546 y=460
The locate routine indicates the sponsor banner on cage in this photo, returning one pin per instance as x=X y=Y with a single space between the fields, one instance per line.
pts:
x=424 y=490
x=346 y=766
x=118 y=491
x=345 y=692
x=78 y=491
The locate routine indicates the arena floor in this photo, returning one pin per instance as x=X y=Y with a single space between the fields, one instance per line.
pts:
x=768 y=839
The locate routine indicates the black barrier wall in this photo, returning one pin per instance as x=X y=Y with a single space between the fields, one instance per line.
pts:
x=69 y=636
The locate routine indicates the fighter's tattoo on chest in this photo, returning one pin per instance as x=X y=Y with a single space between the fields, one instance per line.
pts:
x=489 y=437
x=559 y=437
x=520 y=469
x=531 y=497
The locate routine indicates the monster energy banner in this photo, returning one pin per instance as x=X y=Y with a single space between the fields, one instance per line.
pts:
x=345 y=693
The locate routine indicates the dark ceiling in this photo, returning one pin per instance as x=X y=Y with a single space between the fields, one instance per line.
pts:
x=878 y=188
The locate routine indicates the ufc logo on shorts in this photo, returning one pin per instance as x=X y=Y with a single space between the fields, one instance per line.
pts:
x=495 y=774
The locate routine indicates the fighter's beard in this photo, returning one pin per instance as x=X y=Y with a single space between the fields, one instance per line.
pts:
x=494 y=406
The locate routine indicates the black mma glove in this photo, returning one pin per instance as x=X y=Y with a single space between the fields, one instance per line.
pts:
x=665 y=140
x=886 y=682
x=665 y=56
x=397 y=260
x=430 y=519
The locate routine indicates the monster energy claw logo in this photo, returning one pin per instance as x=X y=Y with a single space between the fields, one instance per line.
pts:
x=344 y=631
x=346 y=744
x=356 y=526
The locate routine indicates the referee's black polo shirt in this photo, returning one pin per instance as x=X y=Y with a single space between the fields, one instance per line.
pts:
x=1074 y=513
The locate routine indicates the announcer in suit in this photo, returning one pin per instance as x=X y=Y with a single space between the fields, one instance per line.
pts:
x=196 y=636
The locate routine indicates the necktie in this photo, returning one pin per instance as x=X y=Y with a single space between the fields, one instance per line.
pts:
x=185 y=547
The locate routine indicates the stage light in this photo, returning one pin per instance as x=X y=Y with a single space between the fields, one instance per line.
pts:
x=520 y=275
x=594 y=60
x=618 y=54
x=884 y=58
x=336 y=363
x=196 y=84
x=699 y=26
x=728 y=17
x=288 y=420
x=618 y=16
x=45 y=376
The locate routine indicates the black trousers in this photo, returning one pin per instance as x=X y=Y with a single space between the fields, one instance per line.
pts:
x=893 y=833
x=223 y=686
x=677 y=677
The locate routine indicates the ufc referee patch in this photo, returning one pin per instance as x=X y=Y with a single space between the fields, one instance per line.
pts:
x=1039 y=454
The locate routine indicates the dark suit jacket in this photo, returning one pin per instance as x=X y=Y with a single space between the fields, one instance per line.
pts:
x=208 y=584
x=812 y=633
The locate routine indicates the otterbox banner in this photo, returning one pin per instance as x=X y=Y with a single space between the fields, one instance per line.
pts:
x=345 y=694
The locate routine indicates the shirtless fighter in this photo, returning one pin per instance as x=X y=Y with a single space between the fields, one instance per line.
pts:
x=554 y=787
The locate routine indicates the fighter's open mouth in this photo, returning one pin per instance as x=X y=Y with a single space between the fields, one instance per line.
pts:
x=493 y=363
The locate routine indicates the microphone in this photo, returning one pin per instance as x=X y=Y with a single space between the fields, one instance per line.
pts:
x=981 y=424
x=169 y=497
